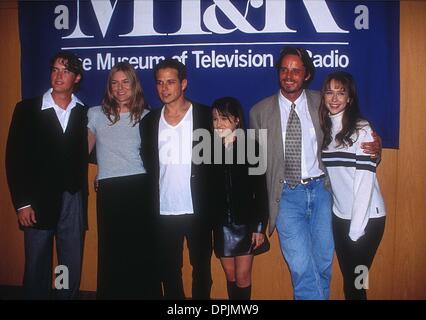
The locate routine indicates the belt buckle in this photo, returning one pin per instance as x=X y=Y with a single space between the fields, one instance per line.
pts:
x=305 y=182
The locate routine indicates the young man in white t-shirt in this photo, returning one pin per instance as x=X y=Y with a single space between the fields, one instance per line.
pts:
x=180 y=185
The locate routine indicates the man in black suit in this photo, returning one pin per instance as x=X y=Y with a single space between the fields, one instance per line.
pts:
x=180 y=180
x=46 y=166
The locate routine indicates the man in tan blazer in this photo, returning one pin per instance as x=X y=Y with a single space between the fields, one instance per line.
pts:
x=301 y=210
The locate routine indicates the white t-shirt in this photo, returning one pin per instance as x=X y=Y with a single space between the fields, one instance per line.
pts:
x=175 y=155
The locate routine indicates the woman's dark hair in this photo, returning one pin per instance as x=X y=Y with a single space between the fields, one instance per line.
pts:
x=303 y=55
x=230 y=106
x=137 y=102
x=351 y=114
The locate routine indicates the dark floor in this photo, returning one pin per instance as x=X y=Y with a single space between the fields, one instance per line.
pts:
x=15 y=293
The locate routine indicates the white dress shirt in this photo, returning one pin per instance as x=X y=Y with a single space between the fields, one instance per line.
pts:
x=310 y=163
x=62 y=114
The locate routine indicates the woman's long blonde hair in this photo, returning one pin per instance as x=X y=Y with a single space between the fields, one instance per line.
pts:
x=137 y=102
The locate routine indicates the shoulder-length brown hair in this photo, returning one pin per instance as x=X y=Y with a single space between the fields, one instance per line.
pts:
x=351 y=114
x=137 y=102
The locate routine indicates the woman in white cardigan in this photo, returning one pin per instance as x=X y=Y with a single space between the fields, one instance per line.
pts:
x=358 y=209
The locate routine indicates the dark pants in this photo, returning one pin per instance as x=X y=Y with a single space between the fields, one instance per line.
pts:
x=352 y=254
x=69 y=235
x=173 y=230
x=126 y=240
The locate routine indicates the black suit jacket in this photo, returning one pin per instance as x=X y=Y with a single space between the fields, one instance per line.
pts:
x=42 y=161
x=201 y=174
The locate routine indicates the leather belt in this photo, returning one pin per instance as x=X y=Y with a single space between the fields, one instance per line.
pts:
x=307 y=180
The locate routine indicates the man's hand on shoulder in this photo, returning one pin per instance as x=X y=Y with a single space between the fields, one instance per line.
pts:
x=373 y=148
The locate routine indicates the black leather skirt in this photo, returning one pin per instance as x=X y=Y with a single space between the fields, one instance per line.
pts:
x=231 y=240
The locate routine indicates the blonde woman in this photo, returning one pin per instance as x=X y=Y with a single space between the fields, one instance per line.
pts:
x=125 y=219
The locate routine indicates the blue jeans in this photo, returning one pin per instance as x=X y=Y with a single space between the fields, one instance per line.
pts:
x=306 y=238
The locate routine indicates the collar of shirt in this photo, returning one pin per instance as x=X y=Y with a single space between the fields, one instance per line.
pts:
x=300 y=101
x=48 y=102
x=63 y=115
x=336 y=121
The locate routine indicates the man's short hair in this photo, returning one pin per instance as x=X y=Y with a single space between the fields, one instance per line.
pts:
x=173 y=64
x=303 y=55
x=71 y=62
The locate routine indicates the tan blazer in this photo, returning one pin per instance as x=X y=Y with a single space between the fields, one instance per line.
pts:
x=266 y=115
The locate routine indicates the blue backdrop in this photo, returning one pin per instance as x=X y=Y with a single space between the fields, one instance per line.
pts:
x=229 y=47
